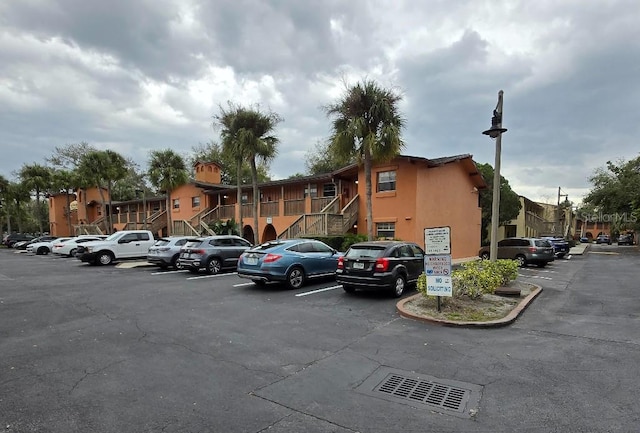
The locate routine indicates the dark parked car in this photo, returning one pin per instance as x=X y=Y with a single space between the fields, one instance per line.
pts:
x=603 y=239
x=524 y=250
x=386 y=265
x=293 y=261
x=212 y=253
x=625 y=239
x=560 y=246
x=166 y=252
x=12 y=238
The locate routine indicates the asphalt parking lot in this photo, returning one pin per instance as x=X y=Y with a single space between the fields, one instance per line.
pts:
x=106 y=349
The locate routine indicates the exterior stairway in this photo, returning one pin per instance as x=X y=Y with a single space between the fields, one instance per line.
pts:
x=331 y=220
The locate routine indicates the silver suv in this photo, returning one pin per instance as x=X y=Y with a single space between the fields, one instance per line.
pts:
x=212 y=253
x=524 y=250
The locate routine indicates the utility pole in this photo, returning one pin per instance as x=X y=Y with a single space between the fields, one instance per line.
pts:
x=496 y=131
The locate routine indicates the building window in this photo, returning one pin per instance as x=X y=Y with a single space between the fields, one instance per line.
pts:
x=195 y=201
x=176 y=203
x=386 y=181
x=386 y=230
x=314 y=191
x=329 y=190
x=244 y=198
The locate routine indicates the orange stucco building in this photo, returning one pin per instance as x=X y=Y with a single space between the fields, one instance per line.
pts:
x=409 y=194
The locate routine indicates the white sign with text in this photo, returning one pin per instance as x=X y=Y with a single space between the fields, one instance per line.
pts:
x=439 y=286
x=437 y=240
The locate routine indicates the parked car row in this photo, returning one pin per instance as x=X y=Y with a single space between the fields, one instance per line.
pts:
x=524 y=250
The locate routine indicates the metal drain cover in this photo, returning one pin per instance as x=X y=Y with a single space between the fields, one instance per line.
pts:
x=421 y=391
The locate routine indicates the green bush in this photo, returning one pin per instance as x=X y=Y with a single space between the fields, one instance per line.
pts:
x=473 y=279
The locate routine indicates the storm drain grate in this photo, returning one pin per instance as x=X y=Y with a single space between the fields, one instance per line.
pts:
x=423 y=391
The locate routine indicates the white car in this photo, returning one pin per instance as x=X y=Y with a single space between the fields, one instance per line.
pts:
x=40 y=248
x=69 y=247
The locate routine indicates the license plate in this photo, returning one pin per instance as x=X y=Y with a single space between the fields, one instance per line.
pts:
x=358 y=265
x=251 y=260
x=186 y=255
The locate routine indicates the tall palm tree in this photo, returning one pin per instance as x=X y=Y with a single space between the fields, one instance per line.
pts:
x=227 y=120
x=167 y=171
x=37 y=178
x=247 y=135
x=367 y=123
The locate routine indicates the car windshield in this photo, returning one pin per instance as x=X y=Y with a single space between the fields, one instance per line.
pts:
x=364 y=252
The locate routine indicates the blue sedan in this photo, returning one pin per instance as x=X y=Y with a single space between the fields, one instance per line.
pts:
x=293 y=261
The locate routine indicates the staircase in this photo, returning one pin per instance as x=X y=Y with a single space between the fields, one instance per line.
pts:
x=98 y=227
x=197 y=225
x=331 y=220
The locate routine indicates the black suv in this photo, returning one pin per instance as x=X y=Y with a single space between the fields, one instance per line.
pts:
x=212 y=253
x=390 y=265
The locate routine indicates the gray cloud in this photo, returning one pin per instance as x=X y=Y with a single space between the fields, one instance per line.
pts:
x=137 y=76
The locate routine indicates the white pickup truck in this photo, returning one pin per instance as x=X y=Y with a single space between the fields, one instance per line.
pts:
x=127 y=244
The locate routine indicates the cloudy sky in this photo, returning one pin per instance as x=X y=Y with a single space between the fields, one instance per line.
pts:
x=138 y=75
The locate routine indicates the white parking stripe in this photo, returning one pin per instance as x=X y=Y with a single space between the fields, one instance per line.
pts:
x=319 y=290
x=242 y=284
x=211 y=276
x=169 y=272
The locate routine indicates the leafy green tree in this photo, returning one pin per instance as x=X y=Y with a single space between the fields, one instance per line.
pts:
x=214 y=152
x=129 y=186
x=167 y=171
x=367 y=125
x=509 y=201
x=323 y=158
x=37 y=178
x=4 y=193
x=616 y=191
x=17 y=196
x=102 y=168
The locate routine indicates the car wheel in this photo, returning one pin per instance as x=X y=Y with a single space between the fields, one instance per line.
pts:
x=214 y=265
x=295 y=277
x=484 y=256
x=175 y=263
x=42 y=251
x=72 y=253
x=398 y=286
x=349 y=289
x=522 y=261
x=105 y=258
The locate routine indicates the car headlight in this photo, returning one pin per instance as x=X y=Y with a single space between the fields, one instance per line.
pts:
x=89 y=249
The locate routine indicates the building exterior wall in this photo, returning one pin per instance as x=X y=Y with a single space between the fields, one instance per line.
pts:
x=58 y=223
x=207 y=172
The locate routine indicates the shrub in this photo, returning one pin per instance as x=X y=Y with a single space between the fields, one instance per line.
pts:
x=473 y=279
x=350 y=239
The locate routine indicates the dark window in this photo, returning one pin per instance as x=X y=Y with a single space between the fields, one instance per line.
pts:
x=364 y=252
x=386 y=181
x=241 y=243
x=321 y=248
x=129 y=237
x=180 y=242
x=405 y=251
x=143 y=236
x=417 y=252
x=195 y=201
x=306 y=247
x=329 y=190
x=176 y=203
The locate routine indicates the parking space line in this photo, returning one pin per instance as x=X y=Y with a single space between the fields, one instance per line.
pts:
x=242 y=284
x=211 y=276
x=169 y=272
x=319 y=290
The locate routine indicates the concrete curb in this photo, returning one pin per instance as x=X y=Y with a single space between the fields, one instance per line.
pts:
x=507 y=320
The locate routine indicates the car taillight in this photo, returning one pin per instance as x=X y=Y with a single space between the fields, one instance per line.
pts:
x=382 y=264
x=270 y=258
x=201 y=252
x=533 y=249
x=340 y=262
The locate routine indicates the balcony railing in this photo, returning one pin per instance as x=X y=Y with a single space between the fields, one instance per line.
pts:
x=319 y=203
x=294 y=207
x=247 y=210
x=269 y=208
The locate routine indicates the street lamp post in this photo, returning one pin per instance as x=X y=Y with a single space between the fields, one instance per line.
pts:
x=496 y=131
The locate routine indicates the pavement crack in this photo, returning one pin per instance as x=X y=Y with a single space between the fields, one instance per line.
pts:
x=87 y=373
x=273 y=424
x=302 y=413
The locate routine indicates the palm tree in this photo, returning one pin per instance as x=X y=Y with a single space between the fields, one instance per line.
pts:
x=167 y=171
x=367 y=124
x=246 y=135
x=37 y=178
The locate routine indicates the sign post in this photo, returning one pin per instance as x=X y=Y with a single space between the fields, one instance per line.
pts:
x=437 y=262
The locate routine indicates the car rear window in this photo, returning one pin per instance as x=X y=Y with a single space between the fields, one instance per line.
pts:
x=267 y=246
x=364 y=252
x=161 y=242
x=193 y=243
x=542 y=243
